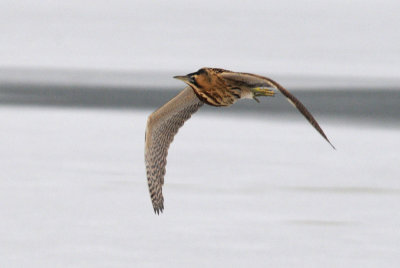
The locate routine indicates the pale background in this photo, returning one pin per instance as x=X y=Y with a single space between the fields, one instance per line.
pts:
x=253 y=184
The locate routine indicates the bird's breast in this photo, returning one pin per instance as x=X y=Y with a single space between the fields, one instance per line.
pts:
x=215 y=97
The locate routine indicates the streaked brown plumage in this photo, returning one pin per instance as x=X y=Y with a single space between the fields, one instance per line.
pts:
x=216 y=87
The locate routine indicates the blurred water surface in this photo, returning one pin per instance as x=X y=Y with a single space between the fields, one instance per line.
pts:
x=239 y=191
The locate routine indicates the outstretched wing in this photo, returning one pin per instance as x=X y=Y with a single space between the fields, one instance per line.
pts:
x=162 y=125
x=254 y=80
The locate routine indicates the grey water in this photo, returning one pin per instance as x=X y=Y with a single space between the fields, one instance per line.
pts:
x=239 y=190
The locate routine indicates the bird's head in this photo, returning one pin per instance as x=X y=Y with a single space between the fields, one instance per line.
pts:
x=195 y=79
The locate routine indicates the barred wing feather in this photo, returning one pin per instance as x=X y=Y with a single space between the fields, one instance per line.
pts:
x=162 y=125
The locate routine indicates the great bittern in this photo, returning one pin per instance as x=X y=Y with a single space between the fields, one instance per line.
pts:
x=216 y=87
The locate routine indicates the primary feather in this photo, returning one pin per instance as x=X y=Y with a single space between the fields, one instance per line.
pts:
x=162 y=125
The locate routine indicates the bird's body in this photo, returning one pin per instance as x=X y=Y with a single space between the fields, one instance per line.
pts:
x=216 y=87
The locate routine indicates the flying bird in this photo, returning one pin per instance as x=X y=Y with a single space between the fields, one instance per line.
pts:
x=212 y=86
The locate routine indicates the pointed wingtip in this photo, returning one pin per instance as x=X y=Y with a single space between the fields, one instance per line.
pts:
x=158 y=210
x=332 y=145
x=325 y=137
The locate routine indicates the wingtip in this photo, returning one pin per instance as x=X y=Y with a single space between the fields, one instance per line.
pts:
x=158 y=210
x=329 y=142
x=332 y=145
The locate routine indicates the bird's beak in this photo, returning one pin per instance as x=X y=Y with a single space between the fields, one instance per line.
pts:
x=184 y=78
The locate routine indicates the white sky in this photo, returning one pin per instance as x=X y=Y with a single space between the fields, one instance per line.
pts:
x=353 y=38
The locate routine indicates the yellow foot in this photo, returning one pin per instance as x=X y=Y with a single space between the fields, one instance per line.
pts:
x=258 y=91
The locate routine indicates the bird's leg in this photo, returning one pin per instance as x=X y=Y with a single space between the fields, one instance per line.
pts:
x=262 y=91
